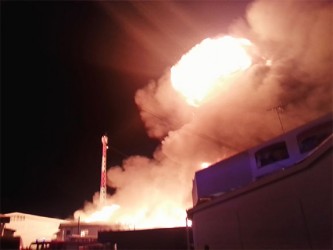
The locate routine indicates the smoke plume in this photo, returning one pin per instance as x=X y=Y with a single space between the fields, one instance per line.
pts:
x=292 y=74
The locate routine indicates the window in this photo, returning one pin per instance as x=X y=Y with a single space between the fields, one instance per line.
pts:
x=18 y=217
x=84 y=232
x=311 y=138
x=272 y=153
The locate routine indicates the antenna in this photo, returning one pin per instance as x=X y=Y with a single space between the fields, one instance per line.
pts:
x=102 y=193
x=278 y=109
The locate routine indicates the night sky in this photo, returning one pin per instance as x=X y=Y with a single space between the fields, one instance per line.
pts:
x=69 y=73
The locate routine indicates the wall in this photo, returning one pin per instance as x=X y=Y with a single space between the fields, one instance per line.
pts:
x=223 y=176
x=293 y=210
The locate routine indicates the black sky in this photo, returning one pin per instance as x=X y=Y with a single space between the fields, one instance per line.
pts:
x=69 y=73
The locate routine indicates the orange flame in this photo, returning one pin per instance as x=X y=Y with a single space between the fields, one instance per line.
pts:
x=196 y=76
x=168 y=214
x=102 y=215
x=204 y=165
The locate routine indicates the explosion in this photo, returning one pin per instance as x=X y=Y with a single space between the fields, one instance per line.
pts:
x=210 y=61
x=198 y=73
x=296 y=70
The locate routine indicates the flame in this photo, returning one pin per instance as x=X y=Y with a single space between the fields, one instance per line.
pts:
x=168 y=214
x=161 y=217
x=103 y=214
x=196 y=76
x=204 y=165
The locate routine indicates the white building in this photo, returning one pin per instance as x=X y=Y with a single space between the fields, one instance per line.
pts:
x=32 y=228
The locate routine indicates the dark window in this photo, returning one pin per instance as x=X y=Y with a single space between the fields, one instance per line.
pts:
x=272 y=153
x=311 y=138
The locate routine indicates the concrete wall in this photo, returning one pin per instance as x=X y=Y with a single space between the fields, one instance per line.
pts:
x=290 y=211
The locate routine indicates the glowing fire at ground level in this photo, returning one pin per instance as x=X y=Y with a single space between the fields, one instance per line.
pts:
x=137 y=219
x=166 y=214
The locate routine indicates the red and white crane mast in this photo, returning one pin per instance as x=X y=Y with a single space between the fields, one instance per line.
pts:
x=102 y=193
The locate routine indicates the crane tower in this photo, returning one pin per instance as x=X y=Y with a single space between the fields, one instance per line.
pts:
x=102 y=193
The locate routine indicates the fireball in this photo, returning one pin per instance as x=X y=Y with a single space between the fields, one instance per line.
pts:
x=199 y=72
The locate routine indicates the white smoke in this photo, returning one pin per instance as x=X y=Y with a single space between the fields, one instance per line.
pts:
x=293 y=70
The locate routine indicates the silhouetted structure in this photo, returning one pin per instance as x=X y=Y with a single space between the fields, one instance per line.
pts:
x=7 y=239
x=161 y=238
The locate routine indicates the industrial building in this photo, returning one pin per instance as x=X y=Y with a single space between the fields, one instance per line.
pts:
x=275 y=195
x=31 y=228
x=68 y=231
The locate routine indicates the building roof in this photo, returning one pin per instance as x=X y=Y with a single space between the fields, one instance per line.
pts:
x=33 y=217
x=303 y=165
